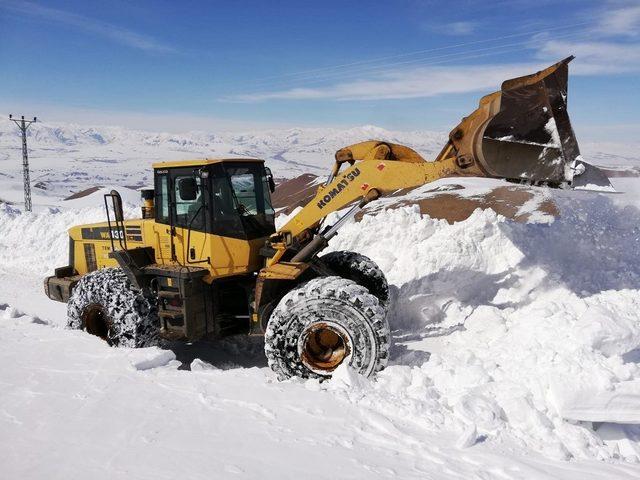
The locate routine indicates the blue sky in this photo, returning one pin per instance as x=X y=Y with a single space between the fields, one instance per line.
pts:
x=403 y=64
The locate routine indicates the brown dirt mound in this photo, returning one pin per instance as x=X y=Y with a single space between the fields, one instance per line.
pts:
x=294 y=192
x=84 y=193
x=506 y=201
x=91 y=190
x=440 y=203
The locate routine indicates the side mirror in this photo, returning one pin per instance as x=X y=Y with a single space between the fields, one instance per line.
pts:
x=188 y=188
x=270 y=180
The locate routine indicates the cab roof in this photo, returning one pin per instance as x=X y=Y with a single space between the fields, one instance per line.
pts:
x=202 y=161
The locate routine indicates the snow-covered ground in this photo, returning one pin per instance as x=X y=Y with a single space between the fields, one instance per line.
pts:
x=516 y=354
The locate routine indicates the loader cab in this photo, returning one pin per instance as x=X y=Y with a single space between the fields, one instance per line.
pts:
x=215 y=208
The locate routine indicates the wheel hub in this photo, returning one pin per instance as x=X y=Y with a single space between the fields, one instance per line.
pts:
x=96 y=321
x=324 y=346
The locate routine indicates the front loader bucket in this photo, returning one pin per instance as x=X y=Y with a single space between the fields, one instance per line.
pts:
x=523 y=133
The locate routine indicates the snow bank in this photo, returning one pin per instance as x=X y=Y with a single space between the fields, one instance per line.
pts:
x=37 y=242
x=539 y=319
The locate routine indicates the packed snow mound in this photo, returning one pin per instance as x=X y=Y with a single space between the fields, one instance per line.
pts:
x=38 y=242
x=541 y=321
x=593 y=245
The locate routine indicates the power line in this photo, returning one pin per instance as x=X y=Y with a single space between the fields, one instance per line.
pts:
x=422 y=62
x=413 y=53
x=23 y=125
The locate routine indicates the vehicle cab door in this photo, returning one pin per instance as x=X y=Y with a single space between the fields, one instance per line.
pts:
x=181 y=220
x=162 y=225
x=189 y=194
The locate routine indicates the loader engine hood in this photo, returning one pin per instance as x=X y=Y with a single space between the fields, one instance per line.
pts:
x=523 y=132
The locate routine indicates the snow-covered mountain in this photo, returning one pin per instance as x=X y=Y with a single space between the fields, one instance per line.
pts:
x=66 y=158
x=310 y=140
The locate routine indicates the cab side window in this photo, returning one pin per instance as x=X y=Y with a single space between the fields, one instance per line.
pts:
x=189 y=202
x=162 y=199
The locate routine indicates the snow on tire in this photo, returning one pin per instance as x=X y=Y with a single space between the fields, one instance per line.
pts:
x=323 y=322
x=362 y=270
x=106 y=304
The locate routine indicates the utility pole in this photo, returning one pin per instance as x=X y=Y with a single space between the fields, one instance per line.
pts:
x=23 y=125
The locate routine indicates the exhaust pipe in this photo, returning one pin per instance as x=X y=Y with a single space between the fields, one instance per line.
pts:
x=148 y=209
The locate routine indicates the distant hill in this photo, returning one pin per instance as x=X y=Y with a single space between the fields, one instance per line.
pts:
x=67 y=158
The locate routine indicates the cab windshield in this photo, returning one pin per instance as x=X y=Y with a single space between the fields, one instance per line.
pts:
x=241 y=201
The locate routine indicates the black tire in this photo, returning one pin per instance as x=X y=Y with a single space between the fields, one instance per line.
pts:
x=362 y=270
x=322 y=322
x=106 y=304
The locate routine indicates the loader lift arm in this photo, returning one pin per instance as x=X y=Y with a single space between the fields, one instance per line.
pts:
x=375 y=168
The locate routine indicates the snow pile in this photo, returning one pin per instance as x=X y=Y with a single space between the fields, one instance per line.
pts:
x=38 y=242
x=542 y=324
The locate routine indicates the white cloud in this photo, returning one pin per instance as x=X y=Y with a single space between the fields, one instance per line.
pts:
x=80 y=22
x=595 y=58
x=454 y=28
x=599 y=55
x=407 y=83
x=592 y=58
x=621 y=21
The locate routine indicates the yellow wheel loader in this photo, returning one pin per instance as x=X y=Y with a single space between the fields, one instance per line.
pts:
x=206 y=261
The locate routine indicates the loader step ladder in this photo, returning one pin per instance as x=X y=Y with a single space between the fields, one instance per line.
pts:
x=171 y=310
x=182 y=301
